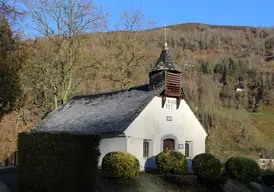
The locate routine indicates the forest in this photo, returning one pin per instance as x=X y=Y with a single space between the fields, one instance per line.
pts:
x=227 y=71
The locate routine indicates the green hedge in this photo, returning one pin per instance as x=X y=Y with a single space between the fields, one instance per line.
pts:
x=242 y=169
x=207 y=167
x=57 y=162
x=171 y=162
x=121 y=165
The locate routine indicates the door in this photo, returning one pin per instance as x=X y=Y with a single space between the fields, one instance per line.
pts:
x=168 y=144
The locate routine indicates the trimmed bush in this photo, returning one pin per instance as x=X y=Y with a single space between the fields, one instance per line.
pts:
x=242 y=169
x=57 y=162
x=171 y=162
x=120 y=165
x=207 y=167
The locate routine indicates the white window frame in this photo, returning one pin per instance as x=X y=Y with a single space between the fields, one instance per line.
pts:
x=189 y=148
x=147 y=149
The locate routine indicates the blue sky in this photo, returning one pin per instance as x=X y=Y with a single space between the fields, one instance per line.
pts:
x=221 y=12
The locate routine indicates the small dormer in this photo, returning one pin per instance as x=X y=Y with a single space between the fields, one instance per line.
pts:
x=164 y=73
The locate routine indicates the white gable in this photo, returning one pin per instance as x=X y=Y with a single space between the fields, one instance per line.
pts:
x=154 y=119
x=156 y=124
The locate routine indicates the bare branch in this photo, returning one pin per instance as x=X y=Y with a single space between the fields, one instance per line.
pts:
x=63 y=23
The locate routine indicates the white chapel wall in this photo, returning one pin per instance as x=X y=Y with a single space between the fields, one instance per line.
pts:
x=112 y=144
x=182 y=125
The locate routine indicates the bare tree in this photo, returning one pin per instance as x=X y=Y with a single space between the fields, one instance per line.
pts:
x=10 y=11
x=62 y=23
x=127 y=47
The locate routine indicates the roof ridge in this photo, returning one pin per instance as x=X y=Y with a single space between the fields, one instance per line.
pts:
x=95 y=95
x=109 y=93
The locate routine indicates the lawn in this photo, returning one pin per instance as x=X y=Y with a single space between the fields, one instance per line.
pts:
x=264 y=121
x=145 y=182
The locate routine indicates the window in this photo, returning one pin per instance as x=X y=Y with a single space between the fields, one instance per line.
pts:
x=188 y=149
x=146 y=148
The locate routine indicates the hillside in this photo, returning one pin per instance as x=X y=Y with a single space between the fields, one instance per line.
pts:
x=214 y=60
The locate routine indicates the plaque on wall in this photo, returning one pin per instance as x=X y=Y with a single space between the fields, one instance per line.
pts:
x=168 y=118
x=180 y=146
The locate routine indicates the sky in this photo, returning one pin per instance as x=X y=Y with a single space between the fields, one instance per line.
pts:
x=221 y=12
x=253 y=13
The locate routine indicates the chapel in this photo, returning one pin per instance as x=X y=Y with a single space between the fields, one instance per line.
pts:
x=143 y=120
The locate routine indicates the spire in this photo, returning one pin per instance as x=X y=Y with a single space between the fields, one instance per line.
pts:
x=165 y=61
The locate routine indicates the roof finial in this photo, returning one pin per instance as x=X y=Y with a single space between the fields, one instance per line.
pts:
x=165 y=28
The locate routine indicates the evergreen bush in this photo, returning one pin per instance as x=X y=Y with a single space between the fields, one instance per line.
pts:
x=207 y=167
x=120 y=165
x=171 y=162
x=242 y=169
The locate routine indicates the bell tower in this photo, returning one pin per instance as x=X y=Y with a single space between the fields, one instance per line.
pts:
x=165 y=74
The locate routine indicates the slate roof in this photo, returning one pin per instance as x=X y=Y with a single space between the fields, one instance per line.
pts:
x=102 y=113
x=164 y=62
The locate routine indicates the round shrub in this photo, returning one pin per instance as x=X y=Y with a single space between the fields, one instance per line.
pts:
x=171 y=162
x=242 y=169
x=121 y=165
x=207 y=167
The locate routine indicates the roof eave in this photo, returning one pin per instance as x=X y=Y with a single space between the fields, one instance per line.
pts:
x=112 y=134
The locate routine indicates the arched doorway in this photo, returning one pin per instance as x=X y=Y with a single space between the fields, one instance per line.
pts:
x=168 y=144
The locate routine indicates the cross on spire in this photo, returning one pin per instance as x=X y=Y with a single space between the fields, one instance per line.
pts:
x=165 y=28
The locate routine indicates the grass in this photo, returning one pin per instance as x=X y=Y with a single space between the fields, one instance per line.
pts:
x=264 y=121
x=144 y=182
x=147 y=182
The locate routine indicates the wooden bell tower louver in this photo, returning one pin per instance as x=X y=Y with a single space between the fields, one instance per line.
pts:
x=173 y=84
x=165 y=74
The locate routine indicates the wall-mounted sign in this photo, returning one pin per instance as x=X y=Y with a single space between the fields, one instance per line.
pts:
x=168 y=118
x=180 y=146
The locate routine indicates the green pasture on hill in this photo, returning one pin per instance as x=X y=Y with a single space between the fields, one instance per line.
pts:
x=264 y=121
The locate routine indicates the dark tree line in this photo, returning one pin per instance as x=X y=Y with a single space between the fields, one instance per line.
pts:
x=9 y=60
